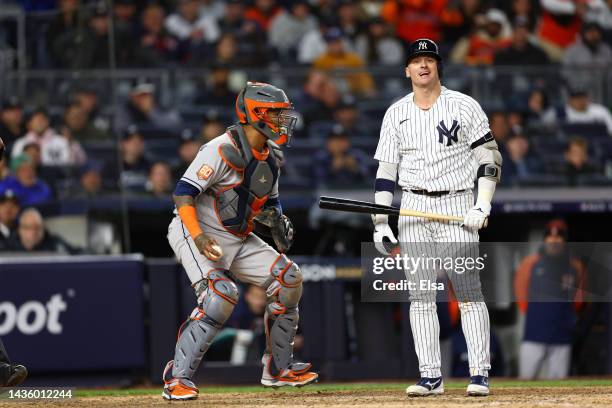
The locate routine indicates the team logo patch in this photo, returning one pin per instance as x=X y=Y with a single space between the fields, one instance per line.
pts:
x=450 y=134
x=205 y=172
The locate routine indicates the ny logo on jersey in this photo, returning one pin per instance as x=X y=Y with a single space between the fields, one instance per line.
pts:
x=422 y=45
x=450 y=134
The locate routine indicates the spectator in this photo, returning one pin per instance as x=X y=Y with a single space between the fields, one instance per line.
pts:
x=288 y=28
x=521 y=51
x=460 y=21
x=77 y=127
x=135 y=164
x=525 y=10
x=326 y=102
x=543 y=284
x=336 y=57
x=87 y=97
x=187 y=151
x=415 y=19
x=33 y=237
x=600 y=12
x=142 y=110
x=211 y=128
x=24 y=182
x=340 y=164
x=160 y=183
x=157 y=45
x=11 y=122
x=500 y=128
x=77 y=154
x=347 y=117
x=378 y=46
x=559 y=23
x=226 y=53
x=480 y=47
x=189 y=26
x=247 y=32
x=213 y=8
x=55 y=149
x=216 y=90
x=587 y=54
x=537 y=104
x=311 y=91
x=579 y=109
x=520 y=164
x=349 y=21
x=61 y=36
x=124 y=12
x=94 y=49
x=32 y=150
x=90 y=181
x=577 y=162
x=9 y=210
x=262 y=12
x=313 y=44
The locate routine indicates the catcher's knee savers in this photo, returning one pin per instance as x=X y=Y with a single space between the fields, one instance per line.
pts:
x=282 y=317
x=217 y=296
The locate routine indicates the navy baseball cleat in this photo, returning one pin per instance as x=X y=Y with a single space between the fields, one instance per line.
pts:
x=479 y=386
x=12 y=375
x=426 y=386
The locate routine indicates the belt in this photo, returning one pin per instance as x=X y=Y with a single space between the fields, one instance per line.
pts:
x=435 y=193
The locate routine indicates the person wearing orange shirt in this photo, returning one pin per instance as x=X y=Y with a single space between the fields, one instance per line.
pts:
x=337 y=57
x=262 y=13
x=414 y=19
x=480 y=47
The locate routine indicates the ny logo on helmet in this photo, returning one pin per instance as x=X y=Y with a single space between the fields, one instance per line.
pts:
x=450 y=134
x=422 y=45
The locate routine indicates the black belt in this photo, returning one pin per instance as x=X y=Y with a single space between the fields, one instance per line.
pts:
x=435 y=193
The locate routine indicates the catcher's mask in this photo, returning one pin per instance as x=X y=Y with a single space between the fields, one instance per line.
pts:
x=267 y=109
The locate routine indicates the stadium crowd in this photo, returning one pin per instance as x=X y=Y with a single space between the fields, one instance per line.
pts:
x=73 y=143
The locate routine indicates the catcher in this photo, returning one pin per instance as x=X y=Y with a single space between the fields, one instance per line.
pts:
x=228 y=191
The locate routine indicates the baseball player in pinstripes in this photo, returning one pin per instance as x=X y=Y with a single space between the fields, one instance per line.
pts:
x=229 y=190
x=439 y=141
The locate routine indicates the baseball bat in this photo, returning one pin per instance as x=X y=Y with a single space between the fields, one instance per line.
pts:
x=356 y=206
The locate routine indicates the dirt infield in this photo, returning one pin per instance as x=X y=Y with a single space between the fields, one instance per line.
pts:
x=590 y=396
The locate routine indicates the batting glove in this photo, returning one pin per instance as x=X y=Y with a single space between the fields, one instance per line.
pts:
x=476 y=218
x=382 y=230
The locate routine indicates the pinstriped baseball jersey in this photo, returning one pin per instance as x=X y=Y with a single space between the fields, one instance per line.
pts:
x=432 y=147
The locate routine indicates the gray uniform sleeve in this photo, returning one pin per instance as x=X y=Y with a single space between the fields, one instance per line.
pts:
x=388 y=144
x=207 y=169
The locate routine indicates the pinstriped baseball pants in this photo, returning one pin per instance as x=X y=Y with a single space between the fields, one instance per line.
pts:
x=421 y=237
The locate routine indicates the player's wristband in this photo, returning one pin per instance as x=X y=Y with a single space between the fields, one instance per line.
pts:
x=189 y=216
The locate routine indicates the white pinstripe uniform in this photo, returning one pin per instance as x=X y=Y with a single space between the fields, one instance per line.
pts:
x=432 y=150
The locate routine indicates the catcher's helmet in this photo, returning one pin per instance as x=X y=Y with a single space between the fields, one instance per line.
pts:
x=425 y=46
x=253 y=107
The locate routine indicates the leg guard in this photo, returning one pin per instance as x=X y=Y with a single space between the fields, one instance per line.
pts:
x=216 y=298
x=282 y=312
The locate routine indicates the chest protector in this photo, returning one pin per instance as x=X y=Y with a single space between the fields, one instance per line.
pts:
x=237 y=205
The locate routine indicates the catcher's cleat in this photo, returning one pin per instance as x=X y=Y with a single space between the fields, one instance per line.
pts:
x=177 y=388
x=426 y=386
x=297 y=367
x=287 y=377
x=478 y=387
x=12 y=375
